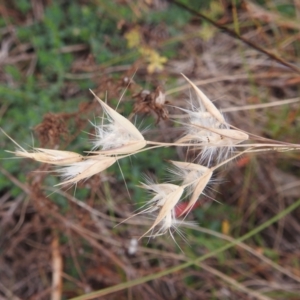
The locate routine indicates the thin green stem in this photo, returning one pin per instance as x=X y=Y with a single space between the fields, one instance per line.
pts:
x=196 y=261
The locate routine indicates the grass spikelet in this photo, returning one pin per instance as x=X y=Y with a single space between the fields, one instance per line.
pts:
x=160 y=191
x=210 y=107
x=119 y=136
x=170 y=202
x=85 y=169
x=48 y=156
x=208 y=130
x=188 y=173
x=129 y=147
x=199 y=187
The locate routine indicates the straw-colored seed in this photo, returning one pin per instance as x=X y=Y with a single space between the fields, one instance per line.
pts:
x=50 y=156
x=85 y=169
x=120 y=120
x=211 y=108
x=125 y=149
x=232 y=134
x=170 y=202
x=188 y=166
x=199 y=188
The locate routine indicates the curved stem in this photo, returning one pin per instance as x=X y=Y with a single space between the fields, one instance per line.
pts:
x=196 y=261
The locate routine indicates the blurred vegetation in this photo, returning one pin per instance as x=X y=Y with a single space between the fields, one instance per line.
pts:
x=52 y=53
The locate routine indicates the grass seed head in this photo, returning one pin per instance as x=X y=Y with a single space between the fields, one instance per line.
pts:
x=50 y=156
x=203 y=99
x=84 y=169
x=169 y=202
x=188 y=173
x=119 y=135
x=208 y=130
x=160 y=192
x=198 y=187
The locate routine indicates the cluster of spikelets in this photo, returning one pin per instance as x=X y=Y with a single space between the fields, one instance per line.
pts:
x=116 y=138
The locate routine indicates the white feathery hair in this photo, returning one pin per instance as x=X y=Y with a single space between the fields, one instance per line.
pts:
x=118 y=135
